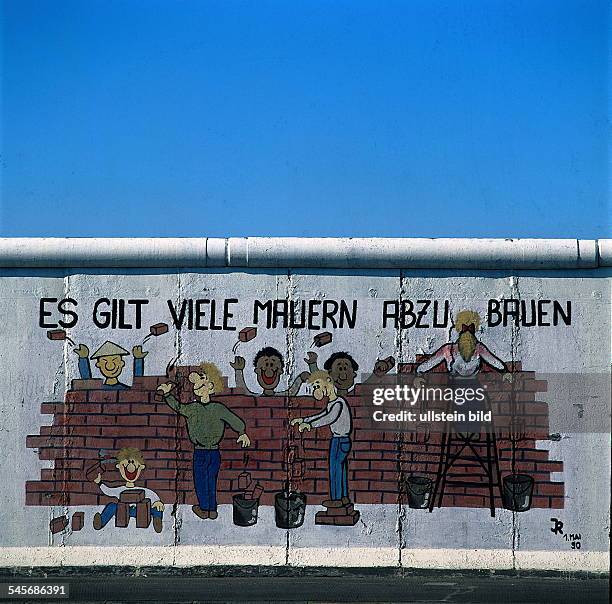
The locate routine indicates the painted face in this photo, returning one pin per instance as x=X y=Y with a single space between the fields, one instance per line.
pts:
x=130 y=469
x=268 y=370
x=110 y=366
x=321 y=388
x=467 y=343
x=202 y=386
x=343 y=374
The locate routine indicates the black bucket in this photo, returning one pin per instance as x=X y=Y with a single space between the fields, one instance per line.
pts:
x=517 y=492
x=419 y=491
x=245 y=510
x=289 y=509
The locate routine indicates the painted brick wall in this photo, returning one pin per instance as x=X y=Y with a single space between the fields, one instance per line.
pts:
x=93 y=421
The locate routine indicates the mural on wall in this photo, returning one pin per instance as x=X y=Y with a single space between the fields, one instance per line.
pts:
x=130 y=500
x=206 y=422
x=188 y=437
x=463 y=360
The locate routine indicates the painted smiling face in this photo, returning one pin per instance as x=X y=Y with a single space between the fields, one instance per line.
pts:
x=343 y=374
x=268 y=370
x=130 y=468
x=203 y=387
x=322 y=386
x=110 y=366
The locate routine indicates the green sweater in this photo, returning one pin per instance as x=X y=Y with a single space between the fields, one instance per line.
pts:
x=206 y=421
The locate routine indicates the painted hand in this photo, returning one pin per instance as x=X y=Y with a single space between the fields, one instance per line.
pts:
x=304 y=426
x=384 y=366
x=238 y=364
x=311 y=358
x=165 y=388
x=304 y=376
x=244 y=440
x=418 y=382
x=139 y=353
x=296 y=420
x=98 y=478
x=82 y=351
x=380 y=367
x=158 y=505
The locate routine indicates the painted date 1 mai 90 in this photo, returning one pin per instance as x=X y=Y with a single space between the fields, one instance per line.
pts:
x=34 y=590
x=574 y=539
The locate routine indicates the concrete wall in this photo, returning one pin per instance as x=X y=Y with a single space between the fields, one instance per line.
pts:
x=55 y=427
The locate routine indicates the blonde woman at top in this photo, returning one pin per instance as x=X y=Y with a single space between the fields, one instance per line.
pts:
x=465 y=356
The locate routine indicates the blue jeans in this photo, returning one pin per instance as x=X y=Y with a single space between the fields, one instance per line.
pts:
x=206 y=464
x=339 y=448
x=110 y=509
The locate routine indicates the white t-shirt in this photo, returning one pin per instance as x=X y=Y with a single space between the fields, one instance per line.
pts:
x=336 y=415
x=116 y=491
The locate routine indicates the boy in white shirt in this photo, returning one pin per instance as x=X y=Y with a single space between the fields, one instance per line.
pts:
x=130 y=464
x=336 y=415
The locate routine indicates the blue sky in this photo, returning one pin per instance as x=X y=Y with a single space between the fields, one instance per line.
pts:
x=305 y=118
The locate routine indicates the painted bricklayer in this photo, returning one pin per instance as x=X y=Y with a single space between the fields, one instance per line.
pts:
x=91 y=420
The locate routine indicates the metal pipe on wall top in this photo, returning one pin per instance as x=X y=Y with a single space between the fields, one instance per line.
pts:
x=296 y=252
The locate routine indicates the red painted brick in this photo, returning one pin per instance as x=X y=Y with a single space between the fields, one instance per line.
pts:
x=551 y=488
x=160 y=443
x=103 y=396
x=58 y=524
x=89 y=384
x=133 y=396
x=366 y=496
x=163 y=420
x=279 y=402
x=92 y=408
x=52 y=408
x=33 y=499
x=34 y=442
x=166 y=431
x=148 y=382
x=145 y=409
x=87 y=431
x=77 y=521
x=76 y=396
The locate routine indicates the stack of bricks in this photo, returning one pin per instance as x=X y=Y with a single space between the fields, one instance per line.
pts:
x=343 y=515
x=93 y=422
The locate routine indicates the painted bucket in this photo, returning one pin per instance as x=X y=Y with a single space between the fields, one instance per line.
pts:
x=244 y=510
x=517 y=492
x=418 y=489
x=289 y=509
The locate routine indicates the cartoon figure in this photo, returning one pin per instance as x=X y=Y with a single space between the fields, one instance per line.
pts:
x=109 y=360
x=130 y=464
x=342 y=368
x=336 y=415
x=206 y=422
x=464 y=357
x=463 y=360
x=269 y=367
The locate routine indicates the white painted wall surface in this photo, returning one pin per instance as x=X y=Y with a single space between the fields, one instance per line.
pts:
x=37 y=370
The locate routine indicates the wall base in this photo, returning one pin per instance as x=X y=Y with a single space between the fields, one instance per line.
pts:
x=364 y=558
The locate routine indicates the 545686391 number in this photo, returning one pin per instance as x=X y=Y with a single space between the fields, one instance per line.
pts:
x=34 y=590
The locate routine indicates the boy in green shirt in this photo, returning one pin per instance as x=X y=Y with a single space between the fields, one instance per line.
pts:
x=206 y=421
